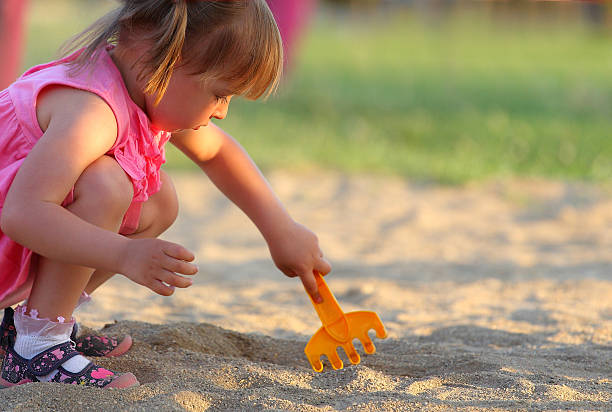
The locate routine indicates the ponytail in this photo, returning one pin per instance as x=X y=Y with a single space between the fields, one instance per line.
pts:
x=103 y=31
x=171 y=16
x=167 y=50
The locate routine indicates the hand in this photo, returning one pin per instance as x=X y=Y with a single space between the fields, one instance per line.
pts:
x=154 y=263
x=295 y=251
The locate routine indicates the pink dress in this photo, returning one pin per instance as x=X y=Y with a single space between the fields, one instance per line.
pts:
x=139 y=149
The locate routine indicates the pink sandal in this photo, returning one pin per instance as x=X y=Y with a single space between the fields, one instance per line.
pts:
x=94 y=345
x=87 y=345
x=18 y=371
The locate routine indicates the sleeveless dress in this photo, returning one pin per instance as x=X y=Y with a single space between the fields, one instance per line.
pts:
x=139 y=149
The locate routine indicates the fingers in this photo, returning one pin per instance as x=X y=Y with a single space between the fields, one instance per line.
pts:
x=161 y=289
x=322 y=266
x=178 y=252
x=308 y=280
x=172 y=279
x=167 y=283
x=310 y=284
x=176 y=262
x=169 y=279
x=179 y=266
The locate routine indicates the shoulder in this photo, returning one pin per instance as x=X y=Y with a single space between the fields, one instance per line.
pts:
x=77 y=111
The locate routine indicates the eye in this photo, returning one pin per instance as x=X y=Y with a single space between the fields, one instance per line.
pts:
x=221 y=99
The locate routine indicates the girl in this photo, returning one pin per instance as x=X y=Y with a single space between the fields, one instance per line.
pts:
x=82 y=196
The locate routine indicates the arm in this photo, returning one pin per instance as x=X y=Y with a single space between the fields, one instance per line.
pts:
x=32 y=215
x=79 y=128
x=294 y=248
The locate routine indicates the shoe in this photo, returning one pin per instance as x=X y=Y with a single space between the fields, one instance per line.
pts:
x=87 y=344
x=7 y=331
x=17 y=370
x=95 y=345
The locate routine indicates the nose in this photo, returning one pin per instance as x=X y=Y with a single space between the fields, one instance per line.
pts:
x=218 y=114
x=221 y=110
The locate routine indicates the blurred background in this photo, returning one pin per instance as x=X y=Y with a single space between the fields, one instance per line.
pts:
x=443 y=91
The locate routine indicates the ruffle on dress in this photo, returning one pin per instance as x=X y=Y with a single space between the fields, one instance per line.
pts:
x=141 y=155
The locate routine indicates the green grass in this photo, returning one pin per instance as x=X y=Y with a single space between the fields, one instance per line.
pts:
x=470 y=100
x=51 y=23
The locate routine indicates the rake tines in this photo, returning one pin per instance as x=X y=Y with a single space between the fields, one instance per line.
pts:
x=339 y=329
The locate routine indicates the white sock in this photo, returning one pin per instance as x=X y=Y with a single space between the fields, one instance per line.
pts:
x=36 y=335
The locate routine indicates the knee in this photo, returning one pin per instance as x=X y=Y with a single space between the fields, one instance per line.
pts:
x=161 y=210
x=105 y=188
x=167 y=205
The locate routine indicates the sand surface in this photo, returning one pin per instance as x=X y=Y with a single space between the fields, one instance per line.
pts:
x=495 y=296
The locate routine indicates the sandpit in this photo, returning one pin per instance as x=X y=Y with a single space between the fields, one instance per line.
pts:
x=496 y=296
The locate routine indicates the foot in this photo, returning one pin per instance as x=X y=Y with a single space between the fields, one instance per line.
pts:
x=86 y=344
x=17 y=370
x=95 y=345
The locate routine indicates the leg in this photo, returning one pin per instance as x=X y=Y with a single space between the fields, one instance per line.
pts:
x=102 y=195
x=158 y=214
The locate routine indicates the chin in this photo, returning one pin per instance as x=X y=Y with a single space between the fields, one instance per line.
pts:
x=164 y=124
x=170 y=128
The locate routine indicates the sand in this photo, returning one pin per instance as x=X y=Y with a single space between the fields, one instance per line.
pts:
x=496 y=296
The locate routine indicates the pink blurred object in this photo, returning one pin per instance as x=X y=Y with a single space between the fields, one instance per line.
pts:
x=292 y=17
x=12 y=13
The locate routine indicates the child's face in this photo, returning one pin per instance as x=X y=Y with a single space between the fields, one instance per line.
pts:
x=188 y=102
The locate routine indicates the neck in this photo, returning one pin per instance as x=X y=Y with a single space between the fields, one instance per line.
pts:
x=126 y=62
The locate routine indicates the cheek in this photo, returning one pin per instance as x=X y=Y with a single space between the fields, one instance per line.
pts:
x=172 y=112
x=171 y=115
x=161 y=118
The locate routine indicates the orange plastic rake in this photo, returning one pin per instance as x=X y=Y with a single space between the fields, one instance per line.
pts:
x=339 y=329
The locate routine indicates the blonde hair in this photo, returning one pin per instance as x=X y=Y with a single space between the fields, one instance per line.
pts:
x=236 y=41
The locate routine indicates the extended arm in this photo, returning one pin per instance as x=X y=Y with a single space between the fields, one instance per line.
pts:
x=294 y=248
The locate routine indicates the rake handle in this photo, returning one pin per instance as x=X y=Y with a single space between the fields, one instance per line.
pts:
x=332 y=317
